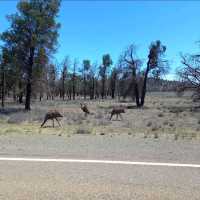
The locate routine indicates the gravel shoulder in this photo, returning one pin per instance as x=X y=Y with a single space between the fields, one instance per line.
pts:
x=120 y=147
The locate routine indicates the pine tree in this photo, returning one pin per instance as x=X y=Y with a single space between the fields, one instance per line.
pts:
x=33 y=29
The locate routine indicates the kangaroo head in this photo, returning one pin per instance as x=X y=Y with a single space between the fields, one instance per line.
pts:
x=83 y=105
x=60 y=115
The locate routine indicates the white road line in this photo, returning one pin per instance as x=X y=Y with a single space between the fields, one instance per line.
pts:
x=116 y=162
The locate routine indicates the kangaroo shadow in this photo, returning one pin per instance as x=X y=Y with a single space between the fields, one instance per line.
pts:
x=48 y=126
x=136 y=107
x=8 y=111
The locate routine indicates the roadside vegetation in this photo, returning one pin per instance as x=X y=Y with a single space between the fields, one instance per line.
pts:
x=164 y=116
x=33 y=82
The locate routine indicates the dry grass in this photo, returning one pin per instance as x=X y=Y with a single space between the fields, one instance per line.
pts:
x=164 y=114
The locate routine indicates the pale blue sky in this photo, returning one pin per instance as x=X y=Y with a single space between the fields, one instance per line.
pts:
x=92 y=28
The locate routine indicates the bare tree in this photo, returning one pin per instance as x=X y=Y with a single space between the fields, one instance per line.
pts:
x=190 y=74
x=131 y=64
x=65 y=66
x=155 y=64
x=75 y=65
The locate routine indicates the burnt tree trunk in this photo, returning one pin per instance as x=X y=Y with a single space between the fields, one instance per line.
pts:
x=73 y=92
x=113 y=86
x=70 y=94
x=145 y=84
x=136 y=89
x=93 y=89
x=29 y=80
x=14 y=94
x=73 y=86
x=137 y=97
x=63 y=87
x=103 y=88
x=41 y=95
x=20 y=96
x=2 y=86
x=113 y=92
x=84 y=87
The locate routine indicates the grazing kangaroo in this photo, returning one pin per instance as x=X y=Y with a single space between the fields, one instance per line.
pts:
x=52 y=114
x=117 y=111
x=84 y=108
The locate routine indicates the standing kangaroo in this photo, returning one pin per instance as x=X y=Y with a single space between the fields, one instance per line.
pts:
x=52 y=114
x=117 y=111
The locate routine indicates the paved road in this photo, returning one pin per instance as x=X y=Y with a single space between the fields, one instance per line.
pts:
x=28 y=180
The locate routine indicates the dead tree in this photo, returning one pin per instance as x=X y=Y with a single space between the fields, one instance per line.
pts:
x=131 y=64
x=155 y=64
x=190 y=75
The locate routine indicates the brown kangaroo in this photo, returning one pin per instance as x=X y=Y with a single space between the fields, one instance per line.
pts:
x=85 y=109
x=117 y=111
x=52 y=114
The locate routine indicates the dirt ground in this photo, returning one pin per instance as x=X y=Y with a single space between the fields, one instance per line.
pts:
x=164 y=115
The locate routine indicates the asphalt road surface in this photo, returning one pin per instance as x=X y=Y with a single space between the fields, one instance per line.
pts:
x=21 y=180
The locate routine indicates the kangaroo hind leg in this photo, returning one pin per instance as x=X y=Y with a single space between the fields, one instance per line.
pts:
x=111 y=116
x=53 y=122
